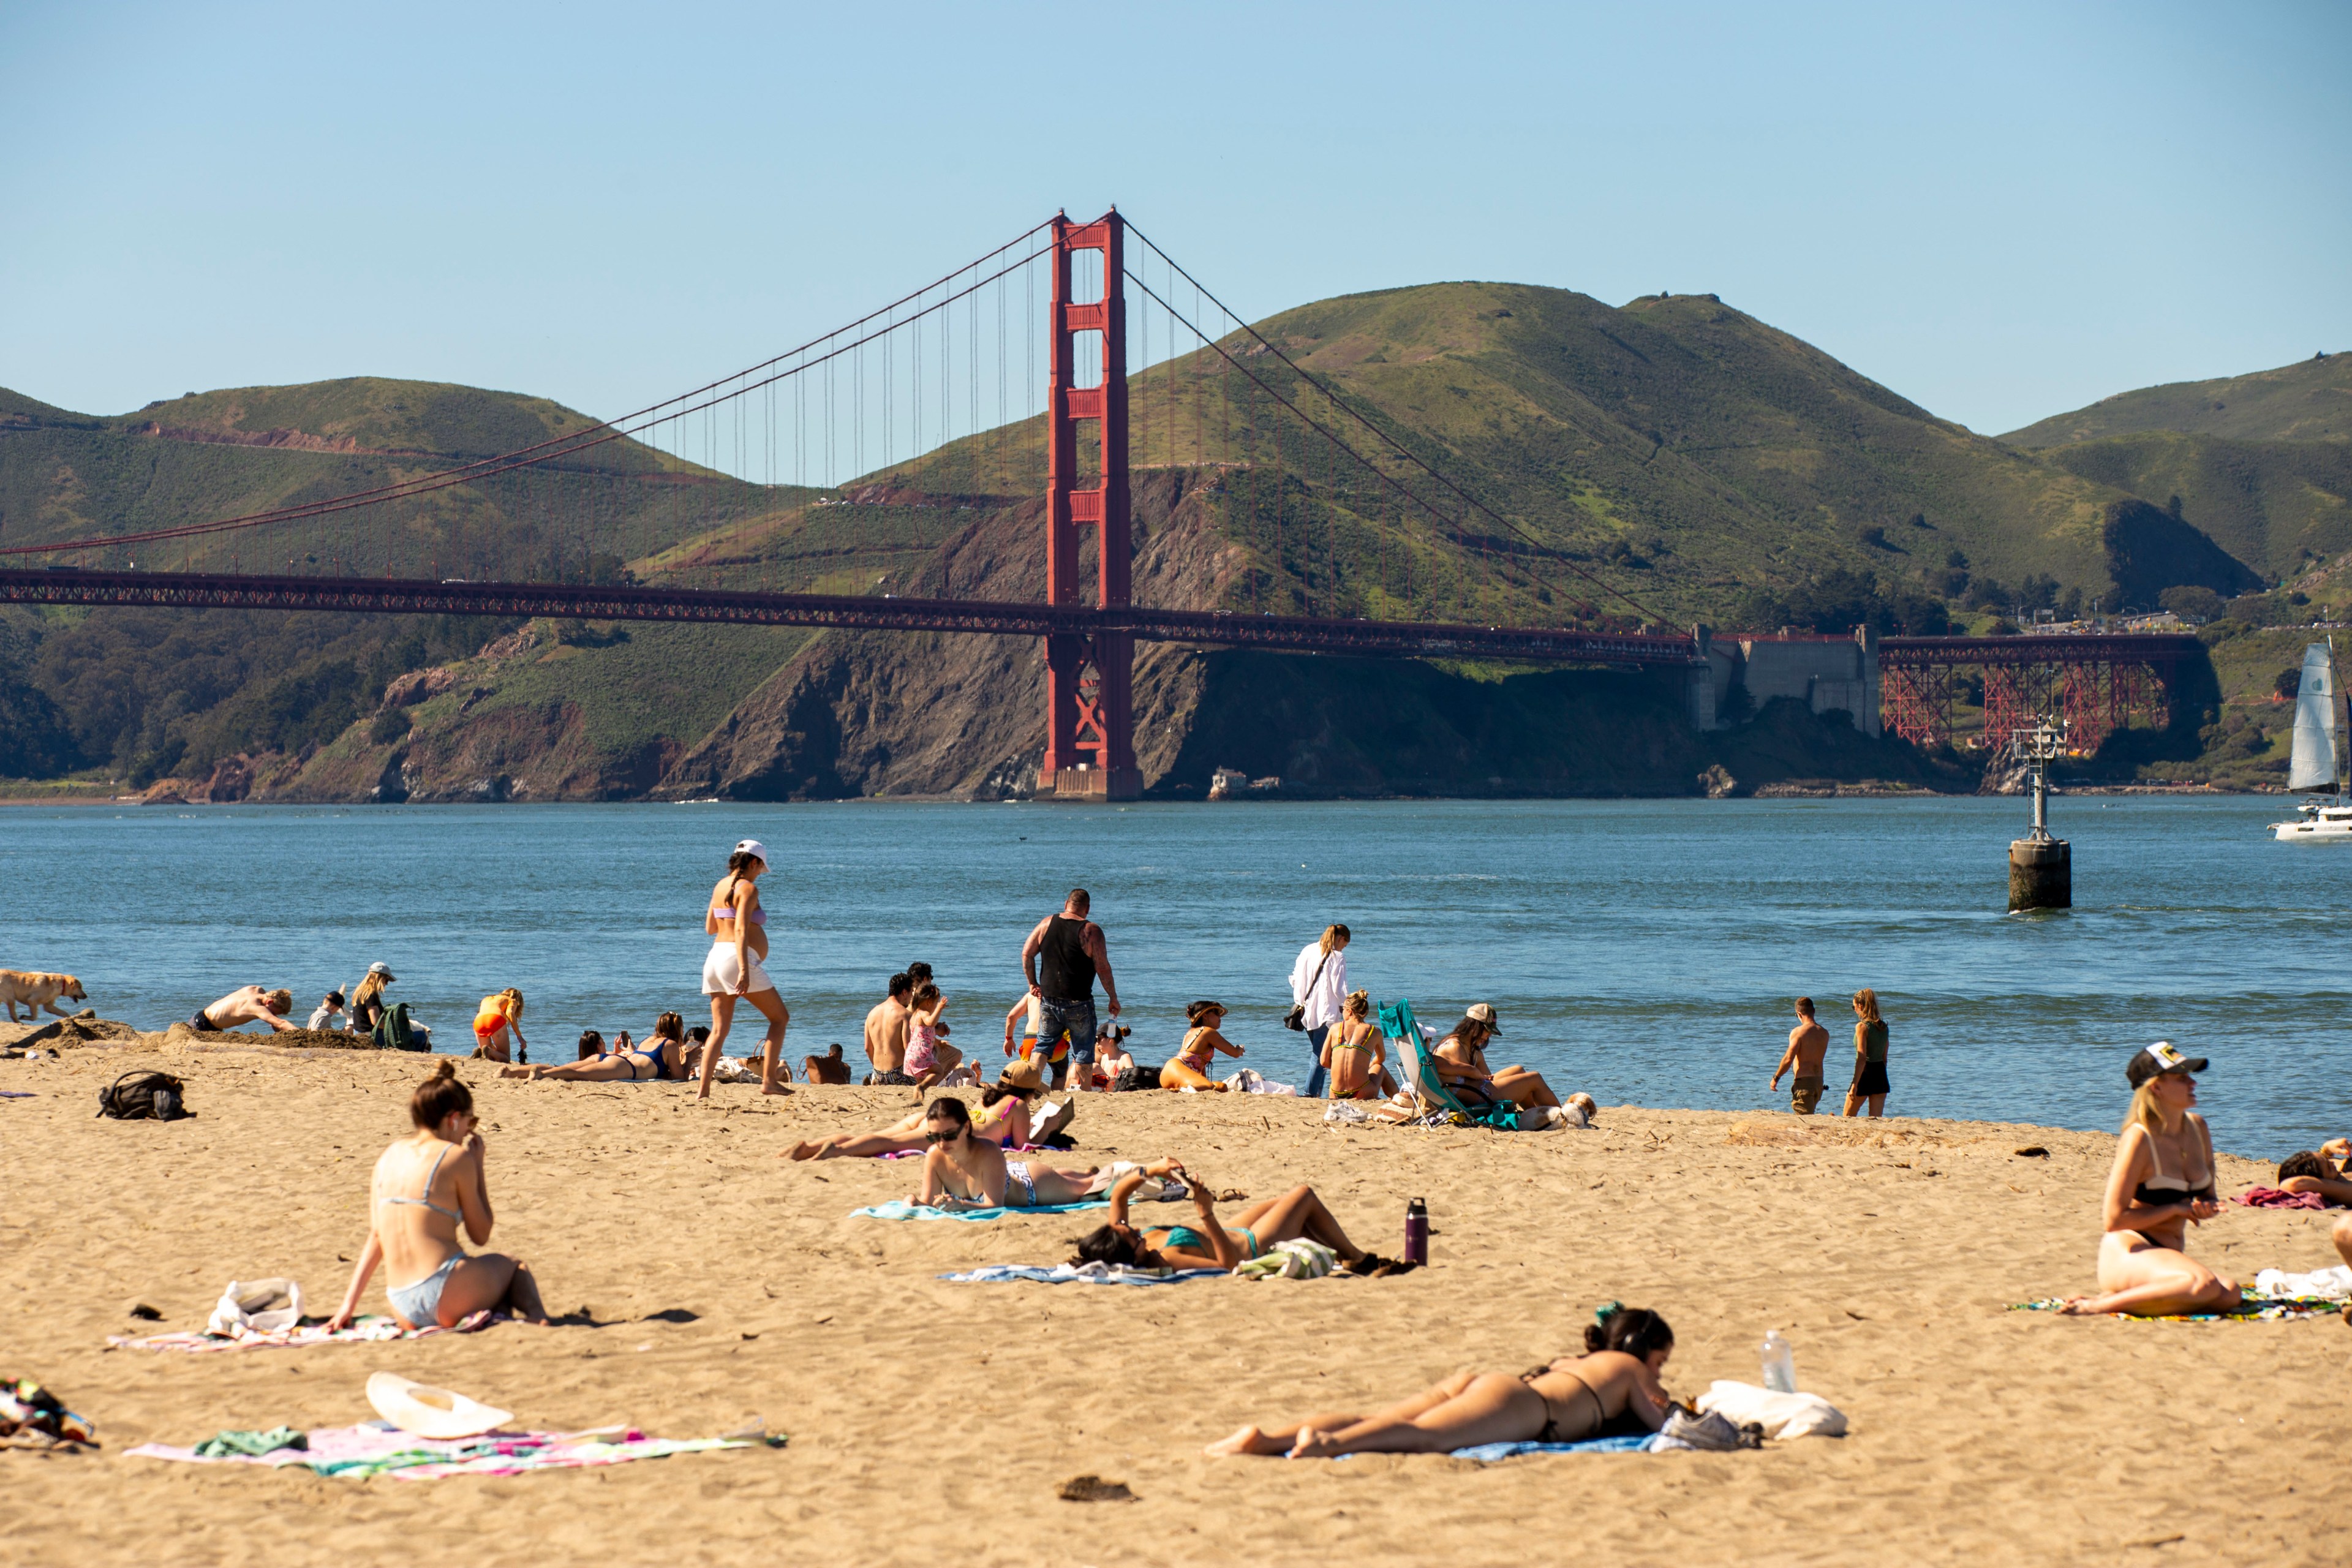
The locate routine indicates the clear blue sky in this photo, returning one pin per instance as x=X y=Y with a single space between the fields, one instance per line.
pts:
x=2001 y=212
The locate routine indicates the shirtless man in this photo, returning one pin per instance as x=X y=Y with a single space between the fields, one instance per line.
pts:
x=247 y=1005
x=886 y=1035
x=1808 y=1043
x=1061 y=961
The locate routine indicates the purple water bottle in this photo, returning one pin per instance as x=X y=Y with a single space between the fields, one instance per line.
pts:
x=1417 y=1232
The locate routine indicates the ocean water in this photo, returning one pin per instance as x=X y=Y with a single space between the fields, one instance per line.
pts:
x=1643 y=952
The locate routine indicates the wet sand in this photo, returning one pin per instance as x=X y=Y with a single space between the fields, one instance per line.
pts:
x=934 y=1422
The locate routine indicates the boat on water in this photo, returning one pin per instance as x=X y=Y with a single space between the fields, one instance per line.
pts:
x=2321 y=818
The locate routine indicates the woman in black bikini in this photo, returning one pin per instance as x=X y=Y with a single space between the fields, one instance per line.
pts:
x=2160 y=1184
x=659 y=1057
x=1210 y=1242
x=1564 y=1401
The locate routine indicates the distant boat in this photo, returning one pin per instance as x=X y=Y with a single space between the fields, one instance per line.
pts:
x=2313 y=766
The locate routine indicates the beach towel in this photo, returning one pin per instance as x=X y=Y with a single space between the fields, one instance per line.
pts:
x=2274 y=1198
x=899 y=1208
x=1300 y=1259
x=1081 y=1273
x=312 y=1332
x=2335 y=1284
x=1488 y=1452
x=2252 y=1308
x=379 y=1448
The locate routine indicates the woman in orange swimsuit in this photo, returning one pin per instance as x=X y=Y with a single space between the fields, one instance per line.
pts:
x=1188 y=1067
x=1563 y=1401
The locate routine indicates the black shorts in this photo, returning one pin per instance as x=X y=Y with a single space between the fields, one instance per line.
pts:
x=1870 y=1078
x=898 y=1078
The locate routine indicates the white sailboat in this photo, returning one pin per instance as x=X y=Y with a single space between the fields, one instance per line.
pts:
x=2313 y=766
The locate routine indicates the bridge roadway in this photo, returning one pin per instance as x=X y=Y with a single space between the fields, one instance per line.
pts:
x=1225 y=628
x=1228 y=629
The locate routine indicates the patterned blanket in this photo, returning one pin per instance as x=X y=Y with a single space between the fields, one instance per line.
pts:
x=312 y=1332
x=379 y=1448
x=2252 y=1308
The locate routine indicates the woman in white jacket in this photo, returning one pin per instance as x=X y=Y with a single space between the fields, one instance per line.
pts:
x=1319 y=984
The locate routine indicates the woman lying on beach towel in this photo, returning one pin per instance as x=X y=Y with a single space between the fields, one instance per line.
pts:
x=1461 y=1058
x=1210 y=1245
x=656 y=1058
x=1564 y=1401
x=966 y=1170
x=2162 y=1182
x=417 y=1200
x=1003 y=1120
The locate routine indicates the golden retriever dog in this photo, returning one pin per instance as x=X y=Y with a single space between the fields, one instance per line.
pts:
x=33 y=989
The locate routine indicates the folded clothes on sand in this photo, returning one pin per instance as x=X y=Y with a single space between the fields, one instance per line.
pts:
x=313 y=1332
x=2252 y=1308
x=2334 y=1284
x=1783 y=1416
x=33 y=1417
x=1082 y=1274
x=1298 y=1260
x=899 y=1208
x=379 y=1448
x=222 y=1445
x=2274 y=1198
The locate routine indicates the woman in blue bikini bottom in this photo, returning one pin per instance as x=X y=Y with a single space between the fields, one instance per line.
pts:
x=1297 y=1212
x=419 y=1201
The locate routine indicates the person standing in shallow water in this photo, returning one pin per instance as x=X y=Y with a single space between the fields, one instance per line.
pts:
x=1807 y=1044
x=739 y=928
x=1061 y=961
x=1318 y=986
x=1869 y=1056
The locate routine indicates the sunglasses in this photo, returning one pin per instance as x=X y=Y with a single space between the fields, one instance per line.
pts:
x=949 y=1136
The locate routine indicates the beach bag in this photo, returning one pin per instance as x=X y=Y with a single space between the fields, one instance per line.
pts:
x=1296 y=1019
x=257 y=1306
x=1130 y=1080
x=392 y=1032
x=142 y=1097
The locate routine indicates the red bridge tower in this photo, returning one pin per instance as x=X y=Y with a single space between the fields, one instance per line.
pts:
x=1090 y=706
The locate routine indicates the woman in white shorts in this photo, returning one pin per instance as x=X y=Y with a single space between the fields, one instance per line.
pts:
x=739 y=928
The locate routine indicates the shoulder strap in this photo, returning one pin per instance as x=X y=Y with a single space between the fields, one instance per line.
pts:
x=1318 y=975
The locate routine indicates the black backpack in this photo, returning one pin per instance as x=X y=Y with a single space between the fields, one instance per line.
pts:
x=143 y=1096
x=1136 y=1077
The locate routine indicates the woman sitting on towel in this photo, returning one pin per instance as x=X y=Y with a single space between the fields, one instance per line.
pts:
x=1615 y=1383
x=965 y=1170
x=1353 y=1051
x=1210 y=1245
x=2161 y=1183
x=417 y=1202
x=1460 y=1062
x=1188 y=1067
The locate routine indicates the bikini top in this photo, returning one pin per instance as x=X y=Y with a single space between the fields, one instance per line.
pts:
x=727 y=912
x=2160 y=1188
x=430 y=1177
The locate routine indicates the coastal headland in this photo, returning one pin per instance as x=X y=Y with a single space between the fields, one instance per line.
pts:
x=705 y=1283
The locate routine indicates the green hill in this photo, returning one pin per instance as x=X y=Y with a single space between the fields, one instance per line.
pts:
x=2308 y=401
x=2276 y=505
x=1705 y=464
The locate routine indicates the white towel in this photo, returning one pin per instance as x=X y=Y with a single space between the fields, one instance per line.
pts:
x=1782 y=1415
x=2335 y=1283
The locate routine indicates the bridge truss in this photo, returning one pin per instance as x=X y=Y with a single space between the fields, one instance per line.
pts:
x=2096 y=684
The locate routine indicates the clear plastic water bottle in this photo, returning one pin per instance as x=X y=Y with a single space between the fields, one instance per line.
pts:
x=1779 y=1363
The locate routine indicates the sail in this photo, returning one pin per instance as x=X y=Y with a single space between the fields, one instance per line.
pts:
x=2314 y=766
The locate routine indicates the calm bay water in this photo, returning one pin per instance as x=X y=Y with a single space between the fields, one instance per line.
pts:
x=1642 y=952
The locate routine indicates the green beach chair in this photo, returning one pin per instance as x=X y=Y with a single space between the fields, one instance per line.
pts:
x=1418 y=1073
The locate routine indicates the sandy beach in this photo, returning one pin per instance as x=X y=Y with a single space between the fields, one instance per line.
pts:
x=933 y=1422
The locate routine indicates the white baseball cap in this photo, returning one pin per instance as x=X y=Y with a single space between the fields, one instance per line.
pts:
x=752 y=847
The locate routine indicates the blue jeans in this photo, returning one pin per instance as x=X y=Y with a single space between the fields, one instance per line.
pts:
x=1072 y=1017
x=1317 y=1077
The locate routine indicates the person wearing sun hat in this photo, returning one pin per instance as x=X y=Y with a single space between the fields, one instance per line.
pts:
x=2160 y=1184
x=737 y=928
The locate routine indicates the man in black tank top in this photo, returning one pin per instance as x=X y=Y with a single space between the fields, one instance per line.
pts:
x=1061 y=961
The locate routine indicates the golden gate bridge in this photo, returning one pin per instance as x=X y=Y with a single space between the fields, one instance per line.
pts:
x=1342 y=513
